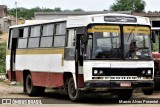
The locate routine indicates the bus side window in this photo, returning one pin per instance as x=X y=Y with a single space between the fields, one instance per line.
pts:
x=34 y=37
x=14 y=33
x=71 y=38
x=70 y=49
x=10 y=39
x=23 y=37
x=59 y=38
x=47 y=35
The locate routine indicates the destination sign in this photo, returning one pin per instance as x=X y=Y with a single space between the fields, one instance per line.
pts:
x=104 y=29
x=120 y=19
x=136 y=29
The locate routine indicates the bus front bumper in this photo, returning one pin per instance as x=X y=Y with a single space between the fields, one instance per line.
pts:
x=119 y=84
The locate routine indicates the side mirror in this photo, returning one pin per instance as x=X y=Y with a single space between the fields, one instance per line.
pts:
x=153 y=37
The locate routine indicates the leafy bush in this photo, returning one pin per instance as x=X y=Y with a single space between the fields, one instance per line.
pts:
x=2 y=57
x=156 y=45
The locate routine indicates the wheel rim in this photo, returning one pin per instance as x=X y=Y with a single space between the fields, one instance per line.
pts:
x=72 y=89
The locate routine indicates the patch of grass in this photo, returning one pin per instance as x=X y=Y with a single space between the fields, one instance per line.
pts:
x=2 y=57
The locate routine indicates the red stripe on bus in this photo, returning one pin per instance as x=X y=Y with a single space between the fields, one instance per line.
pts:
x=80 y=81
x=45 y=79
x=18 y=75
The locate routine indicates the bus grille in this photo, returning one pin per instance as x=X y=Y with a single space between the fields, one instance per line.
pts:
x=121 y=71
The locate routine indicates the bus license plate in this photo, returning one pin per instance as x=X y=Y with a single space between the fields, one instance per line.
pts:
x=125 y=84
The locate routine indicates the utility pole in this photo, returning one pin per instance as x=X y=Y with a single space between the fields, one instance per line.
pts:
x=16 y=13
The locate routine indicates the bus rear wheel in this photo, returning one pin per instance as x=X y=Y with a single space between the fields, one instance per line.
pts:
x=31 y=89
x=124 y=94
x=74 y=94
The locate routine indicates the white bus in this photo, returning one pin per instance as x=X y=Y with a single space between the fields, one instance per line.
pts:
x=105 y=52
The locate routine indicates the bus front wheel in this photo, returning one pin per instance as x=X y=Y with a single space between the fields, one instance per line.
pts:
x=74 y=94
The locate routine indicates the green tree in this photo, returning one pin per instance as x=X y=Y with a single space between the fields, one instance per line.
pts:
x=78 y=10
x=29 y=13
x=57 y=9
x=128 y=5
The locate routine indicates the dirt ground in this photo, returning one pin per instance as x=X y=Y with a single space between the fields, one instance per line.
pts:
x=16 y=91
x=61 y=100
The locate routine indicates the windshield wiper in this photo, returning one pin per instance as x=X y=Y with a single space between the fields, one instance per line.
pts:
x=130 y=33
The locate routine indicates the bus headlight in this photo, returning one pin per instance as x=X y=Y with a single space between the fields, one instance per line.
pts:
x=143 y=72
x=149 y=72
x=95 y=71
x=100 y=72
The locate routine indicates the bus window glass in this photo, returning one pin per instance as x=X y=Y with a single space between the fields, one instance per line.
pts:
x=59 y=41
x=104 y=43
x=48 y=30
x=22 y=43
x=137 y=42
x=71 y=38
x=10 y=39
x=60 y=28
x=35 y=31
x=33 y=42
x=46 y=41
x=25 y=32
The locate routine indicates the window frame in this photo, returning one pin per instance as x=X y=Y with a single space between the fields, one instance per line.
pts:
x=30 y=27
x=23 y=37
x=65 y=40
x=47 y=35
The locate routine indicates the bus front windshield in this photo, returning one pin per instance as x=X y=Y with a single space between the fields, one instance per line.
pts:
x=106 y=43
x=137 y=43
x=137 y=46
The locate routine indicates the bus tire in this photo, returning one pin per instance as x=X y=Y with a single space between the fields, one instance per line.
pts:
x=31 y=90
x=74 y=94
x=147 y=91
x=124 y=94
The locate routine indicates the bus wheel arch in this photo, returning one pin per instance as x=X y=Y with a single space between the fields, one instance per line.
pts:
x=29 y=87
x=66 y=77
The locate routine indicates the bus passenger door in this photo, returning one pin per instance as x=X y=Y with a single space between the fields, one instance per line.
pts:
x=13 y=45
x=79 y=60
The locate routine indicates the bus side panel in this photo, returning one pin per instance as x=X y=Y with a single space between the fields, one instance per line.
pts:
x=55 y=80
x=18 y=75
x=47 y=79
x=44 y=79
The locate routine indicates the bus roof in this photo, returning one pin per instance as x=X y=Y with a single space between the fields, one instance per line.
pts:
x=79 y=21
x=36 y=22
x=106 y=18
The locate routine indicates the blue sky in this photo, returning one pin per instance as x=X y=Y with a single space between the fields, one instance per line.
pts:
x=87 y=5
